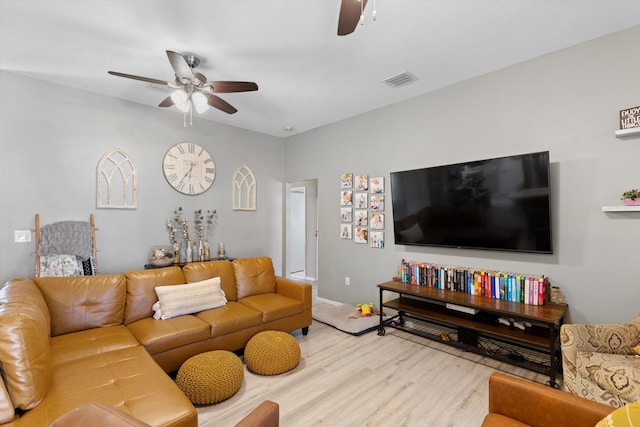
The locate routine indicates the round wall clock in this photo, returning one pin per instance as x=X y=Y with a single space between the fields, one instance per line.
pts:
x=189 y=168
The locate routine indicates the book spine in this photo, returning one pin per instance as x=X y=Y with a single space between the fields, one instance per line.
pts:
x=487 y=284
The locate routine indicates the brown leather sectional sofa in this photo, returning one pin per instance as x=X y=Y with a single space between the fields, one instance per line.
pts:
x=68 y=341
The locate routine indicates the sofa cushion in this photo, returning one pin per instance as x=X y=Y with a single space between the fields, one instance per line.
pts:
x=232 y=317
x=197 y=271
x=78 y=345
x=176 y=300
x=83 y=302
x=273 y=306
x=254 y=276
x=127 y=379
x=141 y=290
x=161 y=335
x=620 y=375
x=24 y=344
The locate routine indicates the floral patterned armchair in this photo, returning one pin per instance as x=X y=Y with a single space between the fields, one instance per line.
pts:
x=599 y=362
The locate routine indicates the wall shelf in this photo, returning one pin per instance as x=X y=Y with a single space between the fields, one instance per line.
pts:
x=624 y=133
x=621 y=208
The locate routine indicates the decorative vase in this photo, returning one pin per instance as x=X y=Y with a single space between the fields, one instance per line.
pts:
x=183 y=253
x=187 y=249
x=632 y=202
x=176 y=253
x=207 y=251
x=194 y=252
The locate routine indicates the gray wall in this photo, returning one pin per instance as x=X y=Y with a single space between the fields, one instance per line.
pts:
x=52 y=139
x=566 y=102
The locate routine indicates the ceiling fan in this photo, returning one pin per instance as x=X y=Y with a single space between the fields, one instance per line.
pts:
x=192 y=88
x=352 y=13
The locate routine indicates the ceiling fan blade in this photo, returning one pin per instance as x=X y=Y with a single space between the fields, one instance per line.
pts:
x=350 y=11
x=180 y=66
x=220 y=103
x=167 y=102
x=228 y=87
x=144 y=79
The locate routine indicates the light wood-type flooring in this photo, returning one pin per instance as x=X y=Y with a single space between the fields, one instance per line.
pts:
x=393 y=380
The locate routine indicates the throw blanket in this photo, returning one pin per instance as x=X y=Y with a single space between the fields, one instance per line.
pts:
x=66 y=238
x=66 y=266
x=59 y=266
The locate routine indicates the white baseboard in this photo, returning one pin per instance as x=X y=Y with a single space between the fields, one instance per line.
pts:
x=328 y=301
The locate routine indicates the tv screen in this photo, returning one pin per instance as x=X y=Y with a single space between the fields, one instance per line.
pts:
x=499 y=204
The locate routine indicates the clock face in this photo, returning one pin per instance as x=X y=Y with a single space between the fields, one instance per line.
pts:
x=189 y=168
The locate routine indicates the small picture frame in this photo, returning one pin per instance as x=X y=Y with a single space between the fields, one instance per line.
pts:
x=362 y=182
x=377 y=185
x=346 y=198
x=376 y=239
x=362 y=200
x=346 y=215
x=346 y=180
x=376 y=221
x=360 y=217
x=345 y=231
x=377 y=202
x=361 y=235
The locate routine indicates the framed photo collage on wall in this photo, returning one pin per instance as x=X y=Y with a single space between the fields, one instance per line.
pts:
x=362 y=209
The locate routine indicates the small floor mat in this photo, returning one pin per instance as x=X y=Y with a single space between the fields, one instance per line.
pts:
x=345 y=318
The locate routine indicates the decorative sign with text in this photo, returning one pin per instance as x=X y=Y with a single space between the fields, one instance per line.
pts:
x=630 y=118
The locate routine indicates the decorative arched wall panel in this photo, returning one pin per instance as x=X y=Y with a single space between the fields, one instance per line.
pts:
x=244 y=189
x=117 y=181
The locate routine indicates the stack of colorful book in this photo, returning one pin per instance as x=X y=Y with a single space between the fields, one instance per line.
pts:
x=516 y=287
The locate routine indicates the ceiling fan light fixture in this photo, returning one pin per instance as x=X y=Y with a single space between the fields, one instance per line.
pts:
x=191 y=90
x=200 y=102
x=181 y=100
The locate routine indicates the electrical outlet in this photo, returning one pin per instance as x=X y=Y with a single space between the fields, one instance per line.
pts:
x=347 y=280
x=22 y=236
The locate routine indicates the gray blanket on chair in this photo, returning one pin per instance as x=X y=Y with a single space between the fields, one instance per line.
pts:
x=66 y=238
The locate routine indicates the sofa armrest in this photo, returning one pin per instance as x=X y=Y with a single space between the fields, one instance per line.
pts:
x=267 y=414
x=296 y=290
x=537 y=405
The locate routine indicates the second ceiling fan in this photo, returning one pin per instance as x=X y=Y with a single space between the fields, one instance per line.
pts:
x=352 y=13
x=192 y=88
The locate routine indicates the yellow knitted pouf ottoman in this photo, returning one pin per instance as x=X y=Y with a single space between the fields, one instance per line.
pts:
x=211 y=377
x=271 y=353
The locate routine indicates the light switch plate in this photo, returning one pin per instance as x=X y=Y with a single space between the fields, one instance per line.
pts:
x=22 y=236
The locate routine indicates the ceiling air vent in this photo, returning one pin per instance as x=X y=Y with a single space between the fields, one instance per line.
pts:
x=401 y=79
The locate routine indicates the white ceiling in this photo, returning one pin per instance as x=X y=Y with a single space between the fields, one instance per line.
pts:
x=308 y=76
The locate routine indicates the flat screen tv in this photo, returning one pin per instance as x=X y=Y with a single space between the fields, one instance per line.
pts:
x=497 y=204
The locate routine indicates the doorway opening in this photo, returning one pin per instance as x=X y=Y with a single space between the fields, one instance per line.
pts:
x=302 y=230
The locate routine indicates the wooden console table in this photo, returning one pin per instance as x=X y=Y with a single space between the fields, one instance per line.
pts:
x=182 y=264
x=470 y=322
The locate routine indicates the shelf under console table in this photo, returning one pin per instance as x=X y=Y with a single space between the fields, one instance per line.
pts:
x=471 y=322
